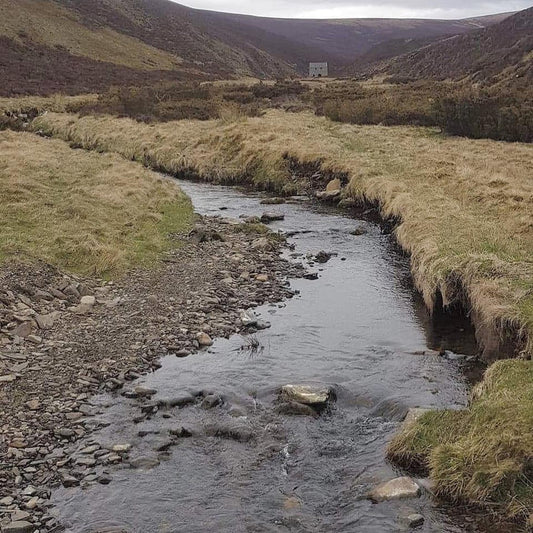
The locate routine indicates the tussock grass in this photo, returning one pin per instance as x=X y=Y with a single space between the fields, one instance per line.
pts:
x=483 y=454
x=57 y=103
x=466 y=206
x=87 y=213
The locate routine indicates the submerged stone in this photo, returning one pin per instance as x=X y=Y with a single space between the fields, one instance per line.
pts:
x=415 y=520
x=395 y=489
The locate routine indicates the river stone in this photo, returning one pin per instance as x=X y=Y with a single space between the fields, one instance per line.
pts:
x=88 y=300
x=415 y=520
x=121 y=448
x=395 y=489
x=69 y=481
x=65 y=432
x=19 y=516
x=89 y=450
x=181 y=433
x=291 y=502
x=144 y=463
x=271 y=217
x=328 y=195
x=46 y=321
x=204 y=339
x=334 y=185
x=185 y=398
x=262 y=278
x=23 y=330
x=210 y=401
x=144 y=391
x=358 y=231
x=248 y=318
x=236 y=431
x=273 y=201
x=295 y=408
x=323 y=257
x=20 y=526
x=306 y=394
x=33 y=405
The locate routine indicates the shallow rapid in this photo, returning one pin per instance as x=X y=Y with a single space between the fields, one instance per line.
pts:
x=360 y=328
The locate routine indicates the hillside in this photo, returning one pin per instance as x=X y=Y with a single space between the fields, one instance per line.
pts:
x=87 y=45
x=495 y=54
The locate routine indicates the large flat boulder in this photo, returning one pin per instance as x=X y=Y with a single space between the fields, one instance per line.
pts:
x=395 y=489
x=306 y=394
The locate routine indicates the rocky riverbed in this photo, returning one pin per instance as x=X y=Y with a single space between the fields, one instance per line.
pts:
x=63 y=339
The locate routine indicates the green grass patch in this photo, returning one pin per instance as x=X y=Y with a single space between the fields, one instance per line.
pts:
x=482 y=455
x=84 y=212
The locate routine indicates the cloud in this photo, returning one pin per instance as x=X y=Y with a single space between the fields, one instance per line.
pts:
x=449 y=9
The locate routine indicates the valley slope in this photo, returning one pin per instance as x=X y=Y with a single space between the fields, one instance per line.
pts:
x=79 y=46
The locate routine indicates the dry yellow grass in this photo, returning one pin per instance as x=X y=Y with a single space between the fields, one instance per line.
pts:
x=58 y=103
x=47 y=23
x=87 y=213
x=466 y=206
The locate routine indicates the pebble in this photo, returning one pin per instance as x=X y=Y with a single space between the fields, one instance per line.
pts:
x=69 y=481
x=204 y=339
x=88 y=300
x=210 y=401
x=415 y=520
x=33 y=405
x=121 y=448
x=65 y=432
x=90 y=449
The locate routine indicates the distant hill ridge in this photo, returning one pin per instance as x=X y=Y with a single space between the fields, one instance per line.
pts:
x=499 y=53
x=87 y=45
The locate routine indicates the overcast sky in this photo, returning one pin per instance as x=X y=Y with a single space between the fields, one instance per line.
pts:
x=449 y=9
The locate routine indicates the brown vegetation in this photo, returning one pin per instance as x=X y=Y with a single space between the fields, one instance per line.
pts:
x=177 y=101
x=500 y=113
x=500 y=53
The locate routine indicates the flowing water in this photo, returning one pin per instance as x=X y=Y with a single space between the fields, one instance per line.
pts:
x=361 y=329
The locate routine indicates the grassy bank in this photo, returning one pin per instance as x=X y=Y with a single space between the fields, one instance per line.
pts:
x=465 y=205
x=86 y=213
x=482 y=454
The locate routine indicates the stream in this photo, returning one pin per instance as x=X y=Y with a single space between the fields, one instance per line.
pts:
x=361 y=329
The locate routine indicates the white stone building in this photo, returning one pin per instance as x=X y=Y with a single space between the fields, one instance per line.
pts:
x=318 y=70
